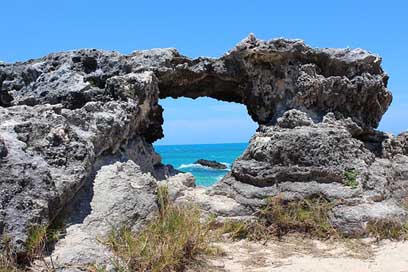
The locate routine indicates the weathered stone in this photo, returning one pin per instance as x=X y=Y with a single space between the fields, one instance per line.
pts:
x=64 y=116
x=53 y=151
x=298 y=159
x=123 y=196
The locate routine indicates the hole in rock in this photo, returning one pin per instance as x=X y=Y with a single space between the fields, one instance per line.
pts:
x=204 y=128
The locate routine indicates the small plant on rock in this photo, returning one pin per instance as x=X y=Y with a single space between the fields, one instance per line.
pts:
x=350 y=178
x=308 y=215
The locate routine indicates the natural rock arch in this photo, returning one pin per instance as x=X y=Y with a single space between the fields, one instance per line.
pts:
x=275 y=76
x=65 y=115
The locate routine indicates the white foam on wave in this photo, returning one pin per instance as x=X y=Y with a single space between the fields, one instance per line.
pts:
x=199 y=166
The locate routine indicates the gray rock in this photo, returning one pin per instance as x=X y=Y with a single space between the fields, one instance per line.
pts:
x=269 y=77
x=53 y=151
x=298 y=159
x=177 y=185
x=211 y=164
x=123 y=196
x=64 y=116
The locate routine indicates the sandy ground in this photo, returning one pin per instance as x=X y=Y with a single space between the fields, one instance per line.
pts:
x=296 y=254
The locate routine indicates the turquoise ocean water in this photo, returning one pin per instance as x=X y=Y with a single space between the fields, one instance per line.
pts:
x=182 y=157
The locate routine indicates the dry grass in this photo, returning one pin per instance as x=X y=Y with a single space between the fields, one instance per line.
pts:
x=39 y=236
x=388 y=229
x=8 y=259
x=280 y=217
x=169 y=242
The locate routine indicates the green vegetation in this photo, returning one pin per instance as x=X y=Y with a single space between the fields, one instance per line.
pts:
x=39 y=236
x=306 y=216
x=350 y=178
x=279 y=217
x=388 y=229
x=170 y=241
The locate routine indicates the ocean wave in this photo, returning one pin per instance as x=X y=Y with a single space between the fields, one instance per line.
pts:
x=199 y=166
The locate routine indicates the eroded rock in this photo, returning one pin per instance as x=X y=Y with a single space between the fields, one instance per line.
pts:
x=299 y=158
x=64 y=116
x=123 y=196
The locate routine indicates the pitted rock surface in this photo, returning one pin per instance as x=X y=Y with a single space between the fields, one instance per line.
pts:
x=64 y=116
x=123 y=196
x=299 y=159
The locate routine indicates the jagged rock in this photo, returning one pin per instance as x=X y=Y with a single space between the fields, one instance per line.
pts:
x=123 y=196
x=53 y=151
x=178 y=184
x=294 y=118
x=64 y=116
x=271 y=77
x=211 y=164
x=3 y=149
x=298 y=159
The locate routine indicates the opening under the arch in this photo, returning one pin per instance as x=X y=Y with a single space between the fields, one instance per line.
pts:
x=203 y=128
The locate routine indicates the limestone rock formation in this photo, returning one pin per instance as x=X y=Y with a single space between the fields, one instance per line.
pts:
x=64 y=116
x=123 y=196
x=298 y=158
x=49 y=152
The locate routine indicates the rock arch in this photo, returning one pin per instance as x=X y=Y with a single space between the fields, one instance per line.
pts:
x=271 y=77
x=65 y=115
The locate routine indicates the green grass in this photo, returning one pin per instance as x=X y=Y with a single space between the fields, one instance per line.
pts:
x=350 y=178
x=169 y=242
x=38 y=237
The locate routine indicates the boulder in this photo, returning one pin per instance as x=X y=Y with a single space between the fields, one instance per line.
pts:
x=123 y=196
x=211 y=164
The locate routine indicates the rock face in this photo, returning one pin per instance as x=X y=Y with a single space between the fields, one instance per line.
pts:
x=271 y=77
x=298 y=158
x=64 y=116
x=49 y=151
x=123 y=195
x=211 y=164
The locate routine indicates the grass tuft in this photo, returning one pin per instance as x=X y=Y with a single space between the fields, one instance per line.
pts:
x=388 y=229
x=37 y=238
x=280 y=217
x=8 y=259
x=169 y=242
x=350 y=178
x=309 y=216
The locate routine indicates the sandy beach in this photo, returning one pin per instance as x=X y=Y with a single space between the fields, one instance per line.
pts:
x=305 y=255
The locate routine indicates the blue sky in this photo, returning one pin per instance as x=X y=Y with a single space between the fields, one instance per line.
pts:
x=34 y=28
